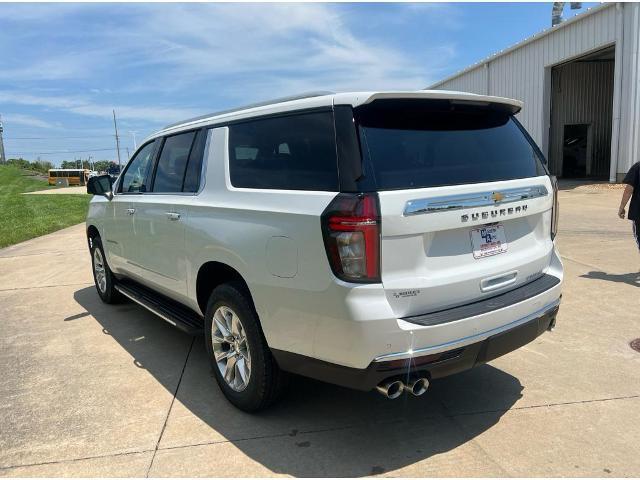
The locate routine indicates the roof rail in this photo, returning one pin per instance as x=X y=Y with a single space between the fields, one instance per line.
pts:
x=253 y=105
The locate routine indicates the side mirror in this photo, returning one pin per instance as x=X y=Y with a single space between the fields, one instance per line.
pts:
x=101 y=185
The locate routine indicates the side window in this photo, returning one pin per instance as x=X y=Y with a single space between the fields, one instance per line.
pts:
x=294 y=152
x=173 y=163
x=194 y=167
x=136 y=176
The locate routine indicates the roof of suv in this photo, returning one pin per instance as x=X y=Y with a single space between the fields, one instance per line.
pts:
x=320 y=99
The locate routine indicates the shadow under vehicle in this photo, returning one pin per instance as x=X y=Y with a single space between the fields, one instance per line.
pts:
x=317 y=429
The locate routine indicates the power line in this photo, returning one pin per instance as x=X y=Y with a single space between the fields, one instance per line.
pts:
x=57 y=138
x=64 y=151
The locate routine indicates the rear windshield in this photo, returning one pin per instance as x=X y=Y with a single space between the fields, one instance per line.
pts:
x=420 y=144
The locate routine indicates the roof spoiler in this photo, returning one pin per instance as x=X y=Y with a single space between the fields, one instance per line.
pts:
x=510 y=105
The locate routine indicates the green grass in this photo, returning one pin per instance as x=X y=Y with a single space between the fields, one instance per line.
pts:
x=26 y=216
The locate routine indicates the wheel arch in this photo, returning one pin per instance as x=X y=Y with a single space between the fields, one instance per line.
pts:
x=92 y=232
x=212 y=274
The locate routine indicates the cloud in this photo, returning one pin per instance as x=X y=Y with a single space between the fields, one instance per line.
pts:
x=57 y=66
x=277 y=43
x=43 y=12
x=139 y=112
x=26 y=120
x=83 y=106
x=154 y=62
x=436 y=14
x=185 y=43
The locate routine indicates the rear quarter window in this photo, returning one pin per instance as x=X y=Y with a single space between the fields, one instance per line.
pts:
x=172 y=164
x=427 y=145
x=293 y=152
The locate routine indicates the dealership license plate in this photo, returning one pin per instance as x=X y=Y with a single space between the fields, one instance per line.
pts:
x=488 y=241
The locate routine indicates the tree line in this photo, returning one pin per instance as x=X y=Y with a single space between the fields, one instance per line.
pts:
x=43 y=166
x=98 y=165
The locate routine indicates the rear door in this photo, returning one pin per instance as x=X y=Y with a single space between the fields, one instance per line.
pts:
x=465 y=201
x=159 y=220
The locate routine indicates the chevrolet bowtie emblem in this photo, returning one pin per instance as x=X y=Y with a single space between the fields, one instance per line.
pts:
x=497 y=197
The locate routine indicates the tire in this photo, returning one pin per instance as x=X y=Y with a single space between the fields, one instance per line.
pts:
x=263 y=382
x=102 y=276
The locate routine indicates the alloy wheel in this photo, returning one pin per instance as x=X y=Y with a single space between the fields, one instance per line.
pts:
x=230 y=348
x=99 y=270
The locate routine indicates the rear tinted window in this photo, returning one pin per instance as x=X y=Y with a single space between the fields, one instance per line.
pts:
x=296 y=152
x=417 y=146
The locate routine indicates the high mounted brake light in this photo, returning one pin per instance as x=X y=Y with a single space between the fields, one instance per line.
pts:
x=351 y=232
x=554 y=211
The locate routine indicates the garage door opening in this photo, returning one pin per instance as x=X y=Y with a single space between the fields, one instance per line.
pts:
x=576 y=148
x=581 y=113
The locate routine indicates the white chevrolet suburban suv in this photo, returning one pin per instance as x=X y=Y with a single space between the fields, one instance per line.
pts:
x=375 y=240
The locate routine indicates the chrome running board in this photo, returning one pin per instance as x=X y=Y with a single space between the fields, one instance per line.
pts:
x=169 y=310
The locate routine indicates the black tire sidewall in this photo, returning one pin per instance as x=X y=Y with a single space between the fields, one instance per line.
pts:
x=253 y=396
x=110 y=295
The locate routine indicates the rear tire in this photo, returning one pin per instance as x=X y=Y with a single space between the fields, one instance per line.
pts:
x=102 y=275
x=241 y=360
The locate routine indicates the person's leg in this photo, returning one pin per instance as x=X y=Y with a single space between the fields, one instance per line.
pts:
x=636 y=231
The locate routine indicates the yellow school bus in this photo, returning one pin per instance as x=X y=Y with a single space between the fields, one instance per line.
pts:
x=73 y=176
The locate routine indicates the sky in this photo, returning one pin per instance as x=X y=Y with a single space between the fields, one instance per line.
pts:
x=65 y=67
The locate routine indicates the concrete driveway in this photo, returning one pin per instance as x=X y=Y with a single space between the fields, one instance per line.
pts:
x=88 y=389
x=76 y=190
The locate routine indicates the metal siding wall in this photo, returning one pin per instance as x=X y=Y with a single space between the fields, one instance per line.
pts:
x=582 y=93
x=520 y=73
x=475 y=82
x=629 y=141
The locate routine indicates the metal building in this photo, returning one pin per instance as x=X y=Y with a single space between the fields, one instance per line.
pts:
x=580 y=84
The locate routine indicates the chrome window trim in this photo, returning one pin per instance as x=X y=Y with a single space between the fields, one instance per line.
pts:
x=484 y=199
x=203 y=173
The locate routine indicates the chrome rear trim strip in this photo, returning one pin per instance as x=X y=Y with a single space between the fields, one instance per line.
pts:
x=463 y=342
x=484 y=199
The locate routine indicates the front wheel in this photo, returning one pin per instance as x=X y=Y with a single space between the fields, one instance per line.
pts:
x=102 y=276
x=242 y=363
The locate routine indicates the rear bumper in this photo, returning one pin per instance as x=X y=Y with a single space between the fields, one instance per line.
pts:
x=436 y=362
x=358 y=325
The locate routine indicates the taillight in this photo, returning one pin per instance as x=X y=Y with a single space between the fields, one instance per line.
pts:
x=351 y=231
x=554 y=211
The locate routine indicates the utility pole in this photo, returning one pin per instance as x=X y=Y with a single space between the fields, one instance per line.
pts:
x=2 y=157
x=135 y=144
x=115 y=126
x=128 y=157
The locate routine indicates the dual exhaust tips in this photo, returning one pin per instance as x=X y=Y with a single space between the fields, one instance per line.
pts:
x=394 y=388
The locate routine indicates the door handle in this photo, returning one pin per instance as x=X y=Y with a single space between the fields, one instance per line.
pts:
x=173 y=216
x=131 y=211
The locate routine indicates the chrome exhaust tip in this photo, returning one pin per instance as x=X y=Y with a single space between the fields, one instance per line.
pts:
x=391 y=388
x=417 y=386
